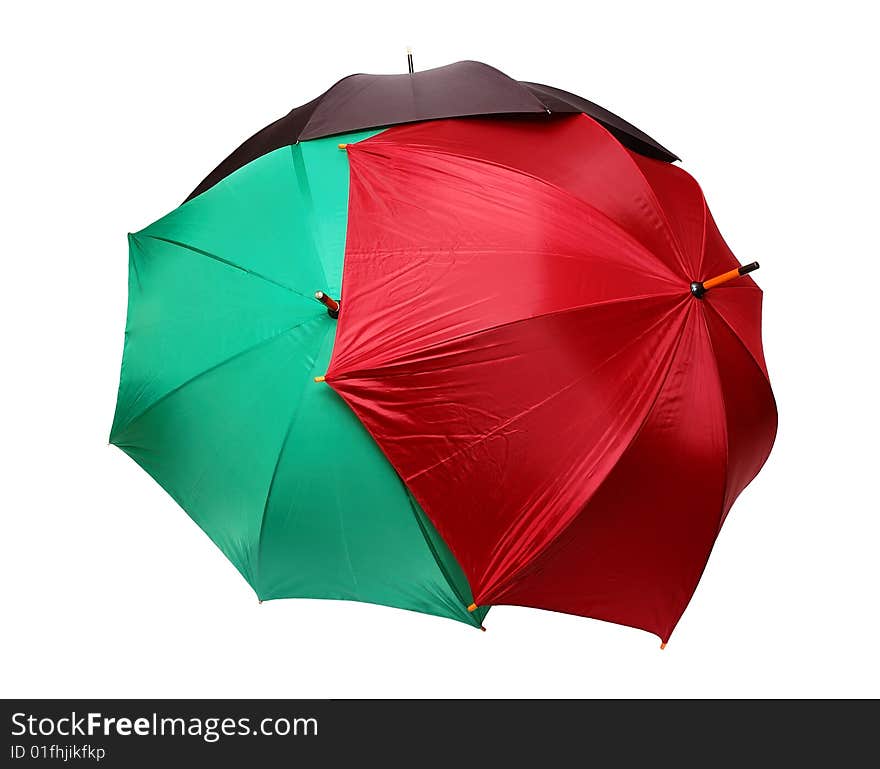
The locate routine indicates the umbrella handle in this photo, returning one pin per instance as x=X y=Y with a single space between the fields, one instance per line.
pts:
x=699 y=288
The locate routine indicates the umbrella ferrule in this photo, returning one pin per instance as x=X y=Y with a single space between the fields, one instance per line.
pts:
x=699 y=288
x=331 y=304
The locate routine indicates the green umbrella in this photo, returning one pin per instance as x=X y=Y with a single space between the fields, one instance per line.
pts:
x=217 y=400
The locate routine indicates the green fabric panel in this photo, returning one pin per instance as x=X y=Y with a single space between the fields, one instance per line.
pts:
x=217 y=400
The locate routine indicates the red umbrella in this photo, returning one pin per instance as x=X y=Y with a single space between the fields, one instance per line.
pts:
x=530 y=331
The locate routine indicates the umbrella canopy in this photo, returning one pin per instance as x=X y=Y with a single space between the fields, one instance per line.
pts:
x=527 y=335
x=466 y=88
x=217 y=403
x=548 y=398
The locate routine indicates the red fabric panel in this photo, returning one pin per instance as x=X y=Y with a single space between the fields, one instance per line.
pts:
x=717 y=258
x=739 y=305
x=750 y=409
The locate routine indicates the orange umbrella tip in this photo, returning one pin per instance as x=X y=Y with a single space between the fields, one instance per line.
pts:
x=472 y=607
x=662 y=645
x=342 y=146
x=699 y=288
x=320 y=379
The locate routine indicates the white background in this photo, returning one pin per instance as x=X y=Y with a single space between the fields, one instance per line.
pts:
x=111 y=116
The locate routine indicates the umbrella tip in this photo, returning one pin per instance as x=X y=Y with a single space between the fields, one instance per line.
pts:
x=342 y=146
x=329 y=302
x=483 y=628
x=662 y=645
x=472 y=607
x=320 y=379
x=409 y=60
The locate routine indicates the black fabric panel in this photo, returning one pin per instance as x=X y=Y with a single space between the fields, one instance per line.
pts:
x=557 y=100
x=464 y=89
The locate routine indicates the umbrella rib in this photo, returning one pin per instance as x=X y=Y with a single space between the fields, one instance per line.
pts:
x=245 y=351
x=703 y=236
x=751 y=357
x=584 y=256
x=281 y=449
x=448 y=577
x=553 y=313
x=228 y=263
x=301 y=175
x=670 y=232
x=726 y=467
